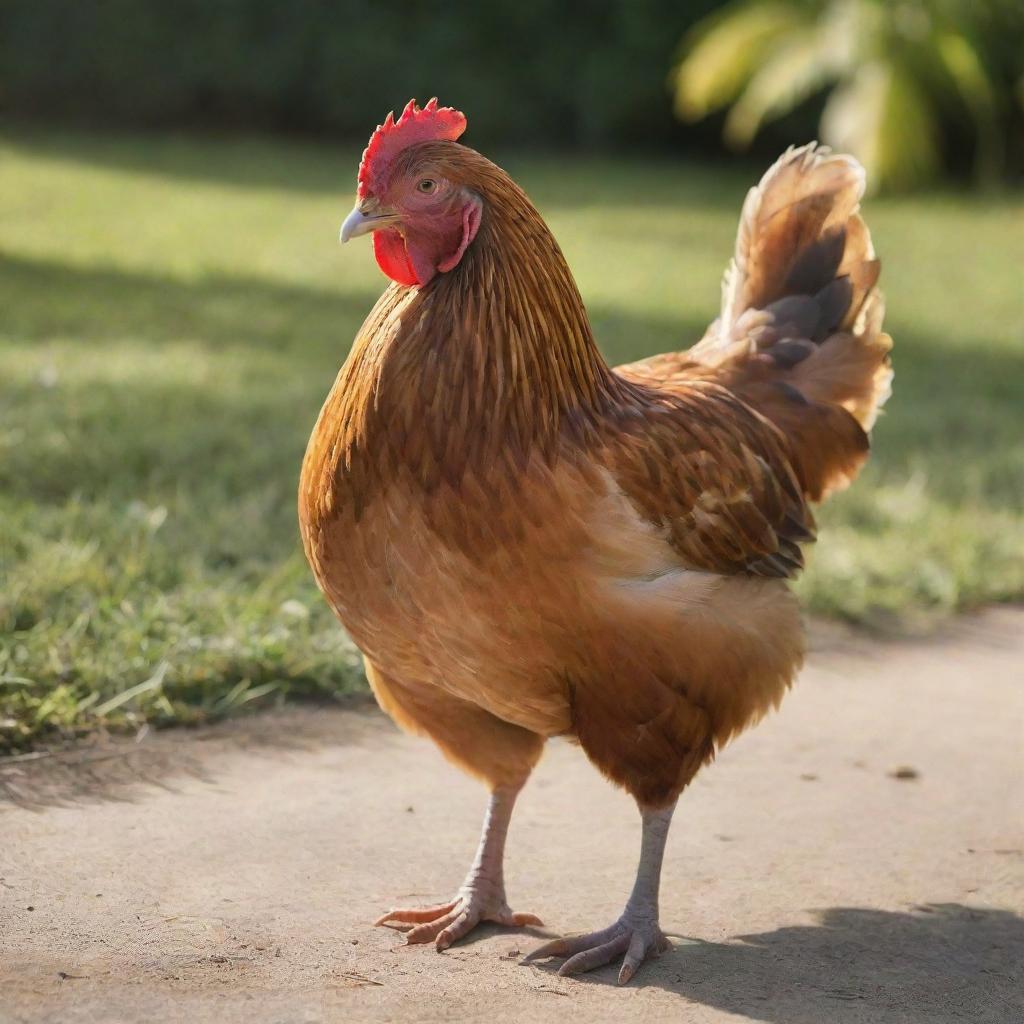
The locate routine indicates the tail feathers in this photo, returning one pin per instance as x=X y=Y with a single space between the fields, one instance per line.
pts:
x=799 y=336
x=851 y=369
x=792 y=232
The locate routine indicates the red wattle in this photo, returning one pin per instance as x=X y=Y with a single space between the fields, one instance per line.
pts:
x=392 y=256
x=417 y=259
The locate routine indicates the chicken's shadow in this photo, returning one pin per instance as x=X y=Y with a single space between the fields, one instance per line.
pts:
x=940 y=962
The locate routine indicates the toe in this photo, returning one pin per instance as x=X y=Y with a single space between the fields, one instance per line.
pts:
x=430 y=929
x=446 y=923
x=568 y=946
x=556 y=947
x=520 y=920
x=634 y=957
x=585 y=952
x=463 y=924
x=398 y=916
x=596 y=956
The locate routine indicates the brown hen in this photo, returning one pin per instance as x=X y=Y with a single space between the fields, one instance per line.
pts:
x=525 y=543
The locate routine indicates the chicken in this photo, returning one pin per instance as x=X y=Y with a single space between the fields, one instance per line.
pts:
x=525 y=543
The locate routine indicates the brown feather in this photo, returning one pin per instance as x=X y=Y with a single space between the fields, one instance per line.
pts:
x=526 y=543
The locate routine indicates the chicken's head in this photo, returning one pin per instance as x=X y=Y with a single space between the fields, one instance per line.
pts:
x=422 y=217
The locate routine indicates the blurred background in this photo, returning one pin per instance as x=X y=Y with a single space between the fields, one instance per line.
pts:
x=175 y=306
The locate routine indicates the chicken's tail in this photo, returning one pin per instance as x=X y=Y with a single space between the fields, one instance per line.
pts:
x=800 y=334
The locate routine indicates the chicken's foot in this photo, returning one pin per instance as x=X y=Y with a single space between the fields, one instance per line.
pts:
x=636 y=935
x=481 y=896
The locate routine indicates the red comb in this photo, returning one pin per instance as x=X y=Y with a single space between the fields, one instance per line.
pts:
x=415 y=125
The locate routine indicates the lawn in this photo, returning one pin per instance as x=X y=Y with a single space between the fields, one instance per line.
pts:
x=174 y=311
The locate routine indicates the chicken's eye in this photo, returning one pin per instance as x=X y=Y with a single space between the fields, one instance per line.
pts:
x=427 y=186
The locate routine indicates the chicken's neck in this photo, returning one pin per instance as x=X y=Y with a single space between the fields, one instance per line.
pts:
x=492 y=361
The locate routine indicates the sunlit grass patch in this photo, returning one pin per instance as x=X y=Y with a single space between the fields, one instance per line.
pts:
x=172 y=313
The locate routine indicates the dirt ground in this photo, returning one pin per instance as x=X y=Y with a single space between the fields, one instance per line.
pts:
x=857 y=858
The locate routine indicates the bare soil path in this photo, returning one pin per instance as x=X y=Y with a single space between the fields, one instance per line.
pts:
x=856 y=858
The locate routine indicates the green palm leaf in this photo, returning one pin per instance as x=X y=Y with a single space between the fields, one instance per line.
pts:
x=798 y=68
x=966 y=67
x=898 y=72
x=725 y=50
x=884 y=118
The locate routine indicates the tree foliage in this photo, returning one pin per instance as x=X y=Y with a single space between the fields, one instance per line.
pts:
x=533 y=71
x=905 y=83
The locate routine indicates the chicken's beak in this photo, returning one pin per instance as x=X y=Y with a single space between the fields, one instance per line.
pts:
x=366 y=216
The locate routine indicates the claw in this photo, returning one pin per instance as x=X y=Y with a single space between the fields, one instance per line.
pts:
x=633 y=959
x=446 y=923
x=631 y=939
x=597 y=956
x=454 y=930
x=397 y=916
x=566 y=947
x=430 y=930
x=523 y=921
x=554 y=948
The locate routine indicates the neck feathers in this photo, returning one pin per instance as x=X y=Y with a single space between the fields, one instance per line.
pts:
x=487 y=365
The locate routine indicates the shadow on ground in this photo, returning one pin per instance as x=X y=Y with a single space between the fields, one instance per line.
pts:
x=124 y=770
x=940 y=962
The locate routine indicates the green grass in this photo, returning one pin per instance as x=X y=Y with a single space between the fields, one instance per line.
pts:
x=174 y=311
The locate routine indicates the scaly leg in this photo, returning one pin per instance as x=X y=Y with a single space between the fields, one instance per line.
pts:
x=636 y=934
x=482 y=895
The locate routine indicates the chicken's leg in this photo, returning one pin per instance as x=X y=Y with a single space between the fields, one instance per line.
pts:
x=482 y=895
x=636 y=934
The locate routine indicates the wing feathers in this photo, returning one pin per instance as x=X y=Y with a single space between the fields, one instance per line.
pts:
x=714 y=475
